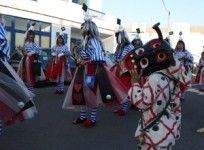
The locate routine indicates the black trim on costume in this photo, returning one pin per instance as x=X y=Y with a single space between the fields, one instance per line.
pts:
x=106 y=89
x=4 y=70
x=29 y=104
x=77 y=92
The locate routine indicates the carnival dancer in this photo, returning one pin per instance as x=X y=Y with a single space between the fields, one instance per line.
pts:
x=159 y=97
x=123 y=48
x=200 y=79
x=137 y=42
x=29 y=66
x=184 y=56
x=15 y=99
x=57 y=66
x=5 y=67
x=93 y=84
x=200 y=73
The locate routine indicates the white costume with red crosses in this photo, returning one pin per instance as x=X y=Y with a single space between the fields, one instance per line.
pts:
x=153 y=99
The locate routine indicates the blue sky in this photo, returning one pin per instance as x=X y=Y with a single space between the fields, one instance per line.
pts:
x=152 y=11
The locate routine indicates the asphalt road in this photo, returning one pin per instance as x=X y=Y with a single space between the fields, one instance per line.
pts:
x=52 y=129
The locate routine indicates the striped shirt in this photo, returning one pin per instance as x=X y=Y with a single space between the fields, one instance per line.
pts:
x=32 y=47
x=93 y=50
x=4 y=44
x=186 y=55
x=60 y=49
x=119 y=55
x=201 y=62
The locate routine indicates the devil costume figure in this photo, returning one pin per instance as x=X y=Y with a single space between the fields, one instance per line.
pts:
x=123 y=48
x=93 y=84
x=58 y=64
x=29 y=67
x=15 y=99
x=159 y=97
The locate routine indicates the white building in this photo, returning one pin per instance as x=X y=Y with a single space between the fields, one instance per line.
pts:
x=50 y=16
x=193 y=36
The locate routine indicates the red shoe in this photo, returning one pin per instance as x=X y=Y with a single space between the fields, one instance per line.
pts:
x=88 y=123
x=202 y=90
x=120 y=112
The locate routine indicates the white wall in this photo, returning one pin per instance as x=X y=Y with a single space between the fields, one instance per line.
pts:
x=54 y=11
x=110 y=44
x=194 y=41
x=58 y=13
x=95 y=4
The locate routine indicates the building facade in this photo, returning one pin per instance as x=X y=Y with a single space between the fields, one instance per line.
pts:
x=50 y=16
x=193 y=35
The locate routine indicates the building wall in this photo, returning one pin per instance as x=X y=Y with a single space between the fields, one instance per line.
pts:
x=95 y=4
x=193 y=35
x=58 y=13
x=110 y=44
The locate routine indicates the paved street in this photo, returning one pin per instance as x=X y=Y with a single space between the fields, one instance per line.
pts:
x=51 y=129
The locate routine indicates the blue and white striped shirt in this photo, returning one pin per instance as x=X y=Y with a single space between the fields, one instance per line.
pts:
x=184 y=54
x=4 y=44
x=93 y=50
x=60 y=49
x=32 y=47
x=119 y=55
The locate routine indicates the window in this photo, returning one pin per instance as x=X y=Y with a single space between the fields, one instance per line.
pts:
x=21 y=24
x=45 y=41
x=9 y=38
x=45 y=27
x=37 y=39
x=17 y=27
x=19 y=38
x=76 y=1
x=76 y=41
x=8 y=21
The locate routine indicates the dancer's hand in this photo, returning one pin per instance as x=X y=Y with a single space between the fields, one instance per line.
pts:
x=21 y=50
x=135 y=76
x=83 y=62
